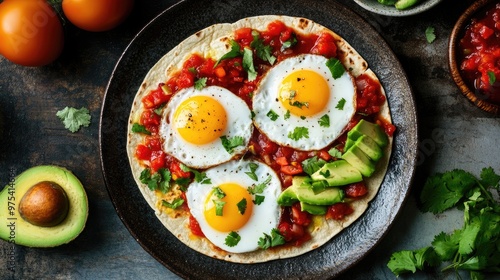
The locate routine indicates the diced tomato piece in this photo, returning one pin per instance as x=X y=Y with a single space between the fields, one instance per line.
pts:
x=291 y=169
x=220 y=72
x=300 y=217
x=284 y=151
x=175 y=169
x=286 y=180
x=285 y=229
x=243 y=36
x=157 y=160
x=194 y=61
x=299 y=156
x=153 y=142
x=150 y=120
x=338 y=211
x=207 y=68
x=156 y=97
x=185 y=79
x=325 y=45
x=282 y=161
x=324 y=155
x=267 y=146
x=194 y=226
x=486 y=32
x=142 y=152
x=356 y=190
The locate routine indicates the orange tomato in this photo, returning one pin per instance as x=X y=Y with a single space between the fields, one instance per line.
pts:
x=31 y=32
x=96 y=15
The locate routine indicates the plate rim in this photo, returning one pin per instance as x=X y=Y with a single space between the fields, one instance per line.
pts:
x=137 y=236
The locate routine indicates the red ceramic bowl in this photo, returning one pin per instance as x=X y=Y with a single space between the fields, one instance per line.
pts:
x=457 y=33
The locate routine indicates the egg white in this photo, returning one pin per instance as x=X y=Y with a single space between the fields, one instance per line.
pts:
x=264 y=217
x=239 y=123
x=266 y=99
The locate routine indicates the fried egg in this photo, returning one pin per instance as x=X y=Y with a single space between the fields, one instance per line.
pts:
x=239 y=181
x=195 y=123
x=299 y=104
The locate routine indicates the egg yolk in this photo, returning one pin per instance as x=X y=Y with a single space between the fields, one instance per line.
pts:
x=304 y=93
x=234 y=214
x=200 y=120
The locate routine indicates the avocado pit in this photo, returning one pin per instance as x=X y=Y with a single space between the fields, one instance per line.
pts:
x=45 y=204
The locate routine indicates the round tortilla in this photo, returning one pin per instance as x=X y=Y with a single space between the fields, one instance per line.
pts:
x=213 y=41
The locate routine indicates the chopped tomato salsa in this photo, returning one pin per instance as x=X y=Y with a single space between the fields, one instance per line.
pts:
x=480 y=55
x=287 y=162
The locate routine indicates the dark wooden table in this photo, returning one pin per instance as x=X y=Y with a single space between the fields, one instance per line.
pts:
x=453 y=134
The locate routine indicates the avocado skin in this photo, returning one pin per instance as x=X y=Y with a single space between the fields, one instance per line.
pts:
x=23 y=233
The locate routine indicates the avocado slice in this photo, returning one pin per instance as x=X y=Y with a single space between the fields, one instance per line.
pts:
x=369 y=129
x=288 y=197
x=357 y=158
x=328 y=196
x=369 y=147
x=313 y=209
x=25 y=233
x=338 y=173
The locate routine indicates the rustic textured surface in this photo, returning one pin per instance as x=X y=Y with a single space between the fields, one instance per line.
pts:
x=453 y=134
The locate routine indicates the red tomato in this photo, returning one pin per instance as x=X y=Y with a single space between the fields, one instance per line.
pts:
x=291 y=169
x=156 y=97
x=97 y=15
x=142 y=152
x=30 y=31
x=356 y=190
x=157 y=160
x=338 y=211
x=194 y=226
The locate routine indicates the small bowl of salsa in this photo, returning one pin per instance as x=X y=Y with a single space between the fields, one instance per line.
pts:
x=474 y=54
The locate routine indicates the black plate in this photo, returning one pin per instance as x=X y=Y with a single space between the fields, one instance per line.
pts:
x=176 y=24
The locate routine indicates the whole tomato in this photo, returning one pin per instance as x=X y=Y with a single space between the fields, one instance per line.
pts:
x=96 y=15
x=31 y=32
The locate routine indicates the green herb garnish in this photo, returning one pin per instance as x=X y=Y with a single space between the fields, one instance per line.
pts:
x=492 y=78
x=474 y=247
x=139 y=128
x=268 y=241
x=258 y=189
x=324 y=121
x=159 y=180
x=219 y=207
x=230 y=143
x=176 y=203
x=234 y=52
x=200 y=177
x=251 y=173
x=263 y=52
x=299 y=133
x=258 y=199
x=272 y=115
x=242 y=206
x=311 y=165
x=232 y=239
x=200 y=83
x=340 y=104
x=336 y=67
x=429 y=34
x=219 y=193
x=73 y=118
x=248 y=64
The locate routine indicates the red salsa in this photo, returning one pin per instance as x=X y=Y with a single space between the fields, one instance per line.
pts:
x=480 y=55
x=287 y=162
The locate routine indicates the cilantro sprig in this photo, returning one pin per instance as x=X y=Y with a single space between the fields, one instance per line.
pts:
x=274 y=239
x=230 y=143
x=73 y=118
x=159 y=180
x=476 y=246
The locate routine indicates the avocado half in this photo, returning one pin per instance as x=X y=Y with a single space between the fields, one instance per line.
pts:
x=15 y=229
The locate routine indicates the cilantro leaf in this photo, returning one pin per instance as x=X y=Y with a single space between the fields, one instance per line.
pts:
x=258 y=199
x=311 y=165
x=73 y=118
x=242 y=206
x=248 y=64
x=446 y=245
x=176 y=203
x=272 y=115
x=219 y=193
x=160 y=180
x=334 y=152
x=324 y=121
x=429 y=34
x=257 y=189
x=200 y=177
x=263 y=52
x=289 y=43
x=409 y=261
x=219 y=207
x=251 y=173
x=340 y=104
x=230 y=143
x=287 y=115
x=200 y=83
x=299 y=133
x=274 y=239
x=234 y=52
x=336 y=67
x=138 y=128
x=232 y=239
x=489 y=178
x=443 y=191
x=491 y=77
